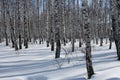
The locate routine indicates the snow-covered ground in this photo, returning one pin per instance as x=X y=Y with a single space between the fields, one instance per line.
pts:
x=38 y=63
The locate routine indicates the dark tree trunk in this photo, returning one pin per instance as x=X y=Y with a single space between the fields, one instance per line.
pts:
x=52 y=45
x=115 y=15
x=6 y=38
x=20 y=42
x=12 y=41
x=12 y=28
x=101 y=41
x=73 y=26
x=19 y=25
x=80 y=44
x=110 y=44
x=4 y=22
x=25 y=25
x=73 y=44
x=57 y=17
x=110 y=38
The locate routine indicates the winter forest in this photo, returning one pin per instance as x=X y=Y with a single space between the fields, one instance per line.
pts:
x=59 y=39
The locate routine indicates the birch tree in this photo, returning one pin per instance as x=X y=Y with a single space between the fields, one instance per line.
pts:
x=57 y=23
x=89 y=67
x=12 y=23
x=4 y=21
x=115 y=15
x=25 y=24
x=19 y=24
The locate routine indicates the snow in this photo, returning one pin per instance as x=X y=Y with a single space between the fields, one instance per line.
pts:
x=38 y=63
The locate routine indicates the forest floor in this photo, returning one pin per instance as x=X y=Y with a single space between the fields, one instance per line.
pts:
x=38 y=63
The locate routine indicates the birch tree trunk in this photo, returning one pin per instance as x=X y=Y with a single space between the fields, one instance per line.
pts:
x=4 y=22
x=96 y=19
x=115 y=10
x=118 y=27
x=78 y=23
x=89 y=67
x=52 y=36
x=48 y=22
x=12 y=25
x=73 y=26
x=57 y=22
x=100 y=23
x=19 y=25
x=25 y=24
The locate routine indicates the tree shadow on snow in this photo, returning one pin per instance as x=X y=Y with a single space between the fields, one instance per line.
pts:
x=37 y=78
x=78 y=79
x=104 y=54
x=114 y=79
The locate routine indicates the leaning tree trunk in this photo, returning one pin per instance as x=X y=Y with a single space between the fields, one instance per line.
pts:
x=57 y=22
x=90 y=70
